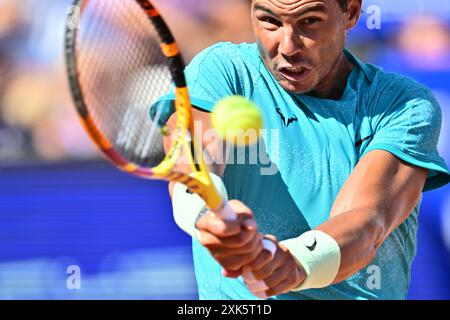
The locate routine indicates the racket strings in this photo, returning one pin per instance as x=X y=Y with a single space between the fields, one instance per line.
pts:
x=123 y=72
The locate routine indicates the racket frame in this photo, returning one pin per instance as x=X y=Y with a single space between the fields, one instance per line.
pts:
x=198 y=181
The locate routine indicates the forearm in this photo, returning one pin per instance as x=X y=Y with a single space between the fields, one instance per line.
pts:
x=378 y=197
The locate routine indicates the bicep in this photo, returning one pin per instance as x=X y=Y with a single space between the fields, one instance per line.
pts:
x=384 y=185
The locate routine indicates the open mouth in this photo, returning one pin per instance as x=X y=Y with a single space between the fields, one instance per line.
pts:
x=295 y=74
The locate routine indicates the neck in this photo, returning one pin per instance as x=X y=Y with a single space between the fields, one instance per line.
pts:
x=333 y=85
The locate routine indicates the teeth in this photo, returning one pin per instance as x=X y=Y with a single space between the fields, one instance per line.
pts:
x=299 y=69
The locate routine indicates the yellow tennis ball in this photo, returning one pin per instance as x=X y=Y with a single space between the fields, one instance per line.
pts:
x=238 y=120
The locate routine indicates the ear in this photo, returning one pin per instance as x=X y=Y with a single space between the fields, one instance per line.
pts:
x=353 y=13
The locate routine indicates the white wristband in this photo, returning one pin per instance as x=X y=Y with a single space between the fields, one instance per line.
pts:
x=187 y=206
x=320 y=256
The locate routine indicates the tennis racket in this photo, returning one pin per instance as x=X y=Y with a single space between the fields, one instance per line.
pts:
x=121 y=58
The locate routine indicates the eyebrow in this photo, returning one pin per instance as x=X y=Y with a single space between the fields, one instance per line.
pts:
x=316 y=7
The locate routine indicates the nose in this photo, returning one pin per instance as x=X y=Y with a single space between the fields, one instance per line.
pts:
x=290 y=42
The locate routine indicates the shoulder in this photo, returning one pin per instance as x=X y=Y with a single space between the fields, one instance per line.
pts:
x=392 y=92
x=400 y=86
x=382 y=93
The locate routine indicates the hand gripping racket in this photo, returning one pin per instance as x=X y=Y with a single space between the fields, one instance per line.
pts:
x=121 y=58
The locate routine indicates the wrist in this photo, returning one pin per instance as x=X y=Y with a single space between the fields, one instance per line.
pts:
x=318 y=256
x=188 y=207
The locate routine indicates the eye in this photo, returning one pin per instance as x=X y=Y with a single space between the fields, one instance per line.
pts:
x=311 y=21
x=271 y=21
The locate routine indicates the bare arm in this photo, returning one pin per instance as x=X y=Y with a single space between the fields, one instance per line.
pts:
x=378 y=196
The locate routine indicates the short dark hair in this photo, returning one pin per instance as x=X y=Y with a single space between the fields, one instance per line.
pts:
x=343 y=4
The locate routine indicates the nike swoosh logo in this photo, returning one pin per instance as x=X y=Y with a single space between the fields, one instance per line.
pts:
x=360 y=142
x=313 y=246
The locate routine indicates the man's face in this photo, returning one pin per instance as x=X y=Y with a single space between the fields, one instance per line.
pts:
x=300 y=41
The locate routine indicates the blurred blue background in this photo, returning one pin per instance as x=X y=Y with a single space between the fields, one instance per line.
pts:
x=60 y=205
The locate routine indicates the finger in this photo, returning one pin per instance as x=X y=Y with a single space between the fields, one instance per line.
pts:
x=214 y=224
x=242 y=243
x=241 y=209
x=283 y=287
x=268 y=269
x=270 y=248
x=250 y=224
x=258 y=286
x=245 y=243
x=254 y=285
x=236 y=262
x=279 y=275
x=261 y=260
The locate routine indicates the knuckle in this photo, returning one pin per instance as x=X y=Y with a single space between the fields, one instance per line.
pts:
x=261 y=274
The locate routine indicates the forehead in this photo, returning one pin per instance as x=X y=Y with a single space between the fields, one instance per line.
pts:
x=288 y=6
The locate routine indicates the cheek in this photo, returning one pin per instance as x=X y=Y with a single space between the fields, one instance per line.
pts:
x=333 y=48
x=326 y=49
x=267 y=43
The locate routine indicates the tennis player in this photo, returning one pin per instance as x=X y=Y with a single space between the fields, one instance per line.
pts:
x=356 y=147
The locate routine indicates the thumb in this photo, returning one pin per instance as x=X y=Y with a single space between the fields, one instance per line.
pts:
x=250 y=224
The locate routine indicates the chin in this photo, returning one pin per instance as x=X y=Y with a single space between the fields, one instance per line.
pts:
x=296 y=88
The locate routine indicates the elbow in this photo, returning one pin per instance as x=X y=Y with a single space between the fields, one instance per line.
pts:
x=377 y=232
